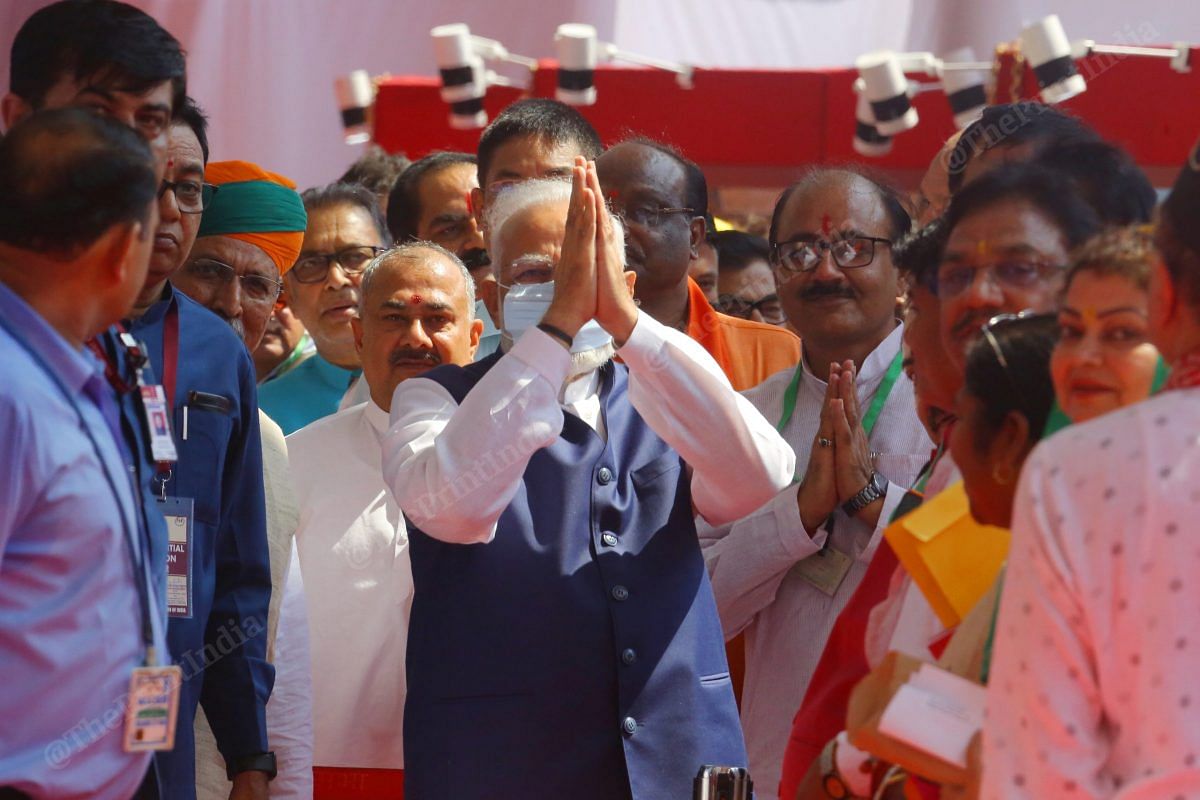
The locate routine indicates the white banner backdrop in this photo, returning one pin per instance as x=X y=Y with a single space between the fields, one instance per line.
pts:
x=264 y=69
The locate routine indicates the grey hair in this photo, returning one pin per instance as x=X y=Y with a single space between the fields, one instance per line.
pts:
x=410 y=250
x=530 y=194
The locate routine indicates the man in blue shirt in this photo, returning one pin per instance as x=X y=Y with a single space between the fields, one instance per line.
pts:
x=114 y=59
x=80 y=608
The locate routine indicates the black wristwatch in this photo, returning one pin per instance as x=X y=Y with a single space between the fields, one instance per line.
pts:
x=876 y=488
x=261 y=762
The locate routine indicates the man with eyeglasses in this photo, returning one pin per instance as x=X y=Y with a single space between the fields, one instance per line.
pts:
x=745 y=282
x=663 y=199
x=216 y=304
x=782 y=574
x=345 y=232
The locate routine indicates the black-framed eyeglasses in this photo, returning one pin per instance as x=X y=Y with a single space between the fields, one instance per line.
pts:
x=805 y=254
x=215 y=275
x=1010 y=273
x=353 y=260
x=192 y=197
x=769 y=307
x=647 y=216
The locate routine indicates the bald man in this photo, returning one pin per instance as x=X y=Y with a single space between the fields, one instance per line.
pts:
x=416 y=311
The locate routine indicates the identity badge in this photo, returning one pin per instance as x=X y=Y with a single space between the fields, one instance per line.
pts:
x=825 y=569
x=158 y=425
x=152 y=708
x=178 y=513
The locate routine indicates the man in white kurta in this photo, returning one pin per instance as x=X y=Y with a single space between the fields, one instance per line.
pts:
x=415 y=314
x=776 y=579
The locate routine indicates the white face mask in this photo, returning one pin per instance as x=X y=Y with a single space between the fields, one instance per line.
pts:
x=526 y=303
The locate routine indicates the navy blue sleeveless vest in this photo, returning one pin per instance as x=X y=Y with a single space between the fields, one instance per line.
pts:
x=579 y=654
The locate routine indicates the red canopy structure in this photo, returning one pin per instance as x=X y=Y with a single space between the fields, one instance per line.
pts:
x=759 y=128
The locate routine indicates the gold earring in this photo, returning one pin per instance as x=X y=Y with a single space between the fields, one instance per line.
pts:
x=1005 y=477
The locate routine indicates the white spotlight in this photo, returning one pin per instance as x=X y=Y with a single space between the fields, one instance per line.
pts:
x=578 y=52
x=886 y=89
x=355 y=94
x=868 y=141
x=1045 y=46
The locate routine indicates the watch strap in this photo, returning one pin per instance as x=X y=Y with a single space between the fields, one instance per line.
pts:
x=258 y=762
x=867 y=495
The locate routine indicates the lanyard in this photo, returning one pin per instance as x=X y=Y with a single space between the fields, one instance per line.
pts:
x=137 y=555
x=876 y=408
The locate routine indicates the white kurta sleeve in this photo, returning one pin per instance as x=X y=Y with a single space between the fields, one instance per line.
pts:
x=1044 y=702
x=454 y=469
x=748 y=559
x=289 y=711
x=738 y=460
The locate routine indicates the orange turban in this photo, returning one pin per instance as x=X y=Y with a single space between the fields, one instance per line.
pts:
x=257 y=207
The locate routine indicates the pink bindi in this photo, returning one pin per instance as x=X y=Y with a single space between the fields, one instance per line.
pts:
x=826 y=225
x=415 y=300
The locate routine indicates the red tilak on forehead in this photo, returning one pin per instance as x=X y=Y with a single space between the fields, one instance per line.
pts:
x=826 y=225
x=613 y=194
x=415 y=300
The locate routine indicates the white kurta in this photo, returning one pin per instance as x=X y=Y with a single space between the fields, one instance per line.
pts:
x=456 y=470
x=1095 y=681
x=753 y=562
x=354 y=559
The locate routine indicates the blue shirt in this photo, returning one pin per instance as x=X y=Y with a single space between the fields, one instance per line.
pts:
x=220 y=470
x=308 y=392
x=70 y=621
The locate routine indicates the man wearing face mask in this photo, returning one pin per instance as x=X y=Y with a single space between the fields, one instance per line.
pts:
x=561 y=605
x=416 y=312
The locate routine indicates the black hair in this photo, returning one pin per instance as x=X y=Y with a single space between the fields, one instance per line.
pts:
x=67 y=176
x=404 y=202
x=190 y=114
x=1181 y=260
x=376 y=170
x=1049 y=191
x=346 y=194
x=1107 y=177
x=94 y=39
x=737 y=250
x=1011 y=125
x=546 y=119
x=1024 y=386
x=917 y=255
x=695 y=185
x=899 y=221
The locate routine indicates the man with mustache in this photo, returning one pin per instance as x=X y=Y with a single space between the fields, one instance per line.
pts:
x=784 y=573
x=431 y=202
x=416 y=312
x=345 y=231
